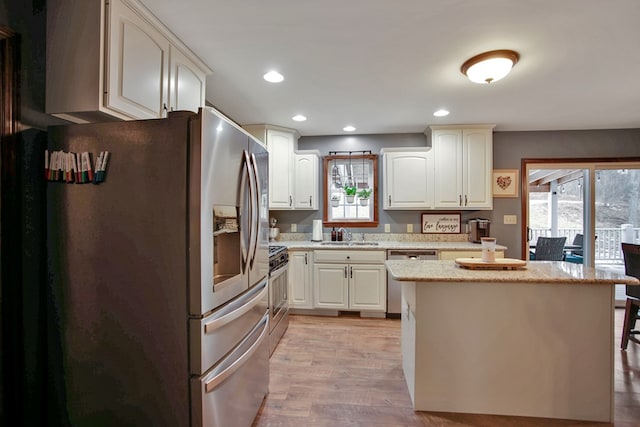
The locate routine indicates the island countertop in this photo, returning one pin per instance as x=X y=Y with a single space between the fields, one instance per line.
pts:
x=535 y=272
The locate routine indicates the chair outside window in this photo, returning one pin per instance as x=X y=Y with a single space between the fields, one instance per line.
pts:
x=631 y=255
x=576 y=255
x=549 y=249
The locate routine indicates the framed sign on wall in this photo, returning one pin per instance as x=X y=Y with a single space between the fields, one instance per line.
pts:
x=441 y=223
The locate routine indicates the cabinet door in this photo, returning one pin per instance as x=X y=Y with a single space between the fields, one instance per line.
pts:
x=187 y=83
x=367 y=287
x=300 y=279
x=331 y=287
x=138 y=58
x=306 y=181
x=447 y=152
x=477 y=166
x=281 y=147
x=408 y=180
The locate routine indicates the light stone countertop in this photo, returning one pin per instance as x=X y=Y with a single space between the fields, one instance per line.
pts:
x=535 y=272
x=384 y=245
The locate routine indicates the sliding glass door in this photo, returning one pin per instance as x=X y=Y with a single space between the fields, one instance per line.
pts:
x=617 y=216
x=596 y=205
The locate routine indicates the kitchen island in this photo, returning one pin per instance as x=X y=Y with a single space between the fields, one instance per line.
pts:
x=532 y=342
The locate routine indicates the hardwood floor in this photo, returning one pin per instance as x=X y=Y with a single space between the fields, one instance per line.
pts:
x=347 y=371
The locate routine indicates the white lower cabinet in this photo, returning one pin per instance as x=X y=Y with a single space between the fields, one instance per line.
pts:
x=300 y=295
x=331 y=285
x=350 y=280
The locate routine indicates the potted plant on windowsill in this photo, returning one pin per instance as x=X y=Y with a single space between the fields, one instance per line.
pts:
x=335 y=200
x=350 y=192
x=363 y=196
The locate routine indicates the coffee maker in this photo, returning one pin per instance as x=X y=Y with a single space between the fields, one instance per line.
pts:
x=479 y=228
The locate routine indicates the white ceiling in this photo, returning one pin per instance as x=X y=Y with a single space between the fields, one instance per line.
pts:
x=385 y=66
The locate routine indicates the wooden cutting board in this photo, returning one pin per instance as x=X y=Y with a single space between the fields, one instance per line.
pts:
x=499 y=264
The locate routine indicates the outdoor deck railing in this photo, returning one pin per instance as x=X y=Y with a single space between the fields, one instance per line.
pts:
x=608 y=241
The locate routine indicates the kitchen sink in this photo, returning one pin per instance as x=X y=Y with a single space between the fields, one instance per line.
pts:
x=345 y=243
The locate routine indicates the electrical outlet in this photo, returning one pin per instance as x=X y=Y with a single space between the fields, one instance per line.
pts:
x=510 y=219
x=294 y=228
x=387 y=228
x=409 y=228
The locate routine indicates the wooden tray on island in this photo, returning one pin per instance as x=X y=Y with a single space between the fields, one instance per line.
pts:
x=499 y=264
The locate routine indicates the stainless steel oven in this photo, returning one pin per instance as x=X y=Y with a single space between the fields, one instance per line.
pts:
x=278 y=294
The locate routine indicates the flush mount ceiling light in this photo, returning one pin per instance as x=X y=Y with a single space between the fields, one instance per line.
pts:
x=349 y=128
x=490 y=66
x=299 y=118
x=441 y=113
x=273 y=77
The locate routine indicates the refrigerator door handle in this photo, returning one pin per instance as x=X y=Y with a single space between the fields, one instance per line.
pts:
x=252 y=210
x=231 y=316
x=256 y=207
x=246 y=229
x=237 y=363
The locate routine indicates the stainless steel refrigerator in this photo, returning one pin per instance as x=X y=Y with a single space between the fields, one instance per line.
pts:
x=158 y=275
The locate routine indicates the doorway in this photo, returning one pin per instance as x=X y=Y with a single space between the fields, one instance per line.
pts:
x=593 y=201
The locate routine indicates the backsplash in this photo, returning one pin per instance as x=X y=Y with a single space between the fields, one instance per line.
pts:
x=383 y=237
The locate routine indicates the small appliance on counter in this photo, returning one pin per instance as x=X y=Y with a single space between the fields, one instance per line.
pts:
x=479 y=228
x=274 y=232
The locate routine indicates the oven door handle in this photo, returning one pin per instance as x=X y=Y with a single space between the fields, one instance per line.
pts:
x=237 y=364
x=278 y=272
x=231 y=316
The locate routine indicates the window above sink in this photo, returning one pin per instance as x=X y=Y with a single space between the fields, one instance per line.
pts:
x=350 y=190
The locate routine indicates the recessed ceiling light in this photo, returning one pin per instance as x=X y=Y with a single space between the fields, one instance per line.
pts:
x=299 y=118
x=273 y=77
x=348 y=128
x=441 y=113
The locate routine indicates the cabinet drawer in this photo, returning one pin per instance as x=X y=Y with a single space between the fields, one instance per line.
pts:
x=373 y=257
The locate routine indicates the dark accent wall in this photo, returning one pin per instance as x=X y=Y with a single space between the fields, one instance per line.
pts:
x=23 y=231
x=509 y=148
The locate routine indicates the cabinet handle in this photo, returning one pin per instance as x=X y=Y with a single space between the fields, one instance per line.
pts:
x=290 y=200
x=348 y=257
x=460 y=200
x=389 y=199
x=345 y=271
x=310 y=204
x=465 y=200
x=351 y=272
x=164 y=107
x=305 y=259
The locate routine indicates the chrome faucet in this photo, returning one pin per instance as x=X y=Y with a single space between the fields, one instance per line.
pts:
x=346 y=233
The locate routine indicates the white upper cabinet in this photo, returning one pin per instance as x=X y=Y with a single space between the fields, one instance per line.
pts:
x=187 y=83
x=138 y=60
x=463 y=164
x=408 y=178
x=293 y=175
x=306 y=179
x=116 y=60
